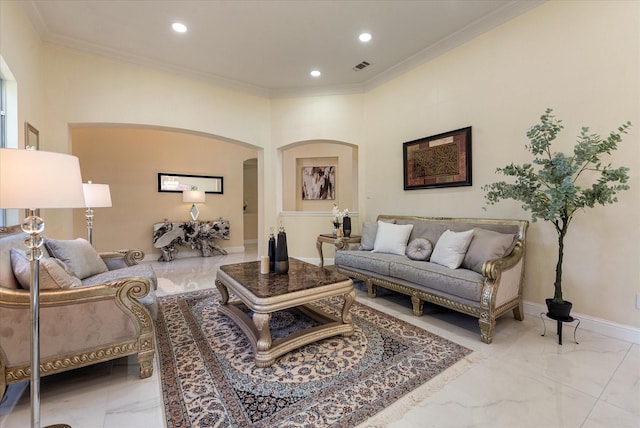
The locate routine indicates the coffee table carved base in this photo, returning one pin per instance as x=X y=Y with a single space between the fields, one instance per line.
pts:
x=257 y=329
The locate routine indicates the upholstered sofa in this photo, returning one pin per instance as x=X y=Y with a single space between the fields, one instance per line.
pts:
x=107 y=314
x=473 y=266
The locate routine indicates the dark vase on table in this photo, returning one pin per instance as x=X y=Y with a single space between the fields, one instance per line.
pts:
x=346 y=226
x=282 y=254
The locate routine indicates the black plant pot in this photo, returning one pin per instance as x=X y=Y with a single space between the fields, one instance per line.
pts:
x=559 y=311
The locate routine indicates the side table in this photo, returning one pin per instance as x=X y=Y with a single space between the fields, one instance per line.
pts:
x=341 y=243
x=559 y=322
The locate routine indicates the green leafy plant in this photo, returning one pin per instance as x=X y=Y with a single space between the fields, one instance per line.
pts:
x=555 y=186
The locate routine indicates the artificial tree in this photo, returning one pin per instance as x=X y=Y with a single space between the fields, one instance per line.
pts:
x=555 y=186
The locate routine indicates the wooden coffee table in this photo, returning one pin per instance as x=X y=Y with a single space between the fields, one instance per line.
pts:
x=264 y=294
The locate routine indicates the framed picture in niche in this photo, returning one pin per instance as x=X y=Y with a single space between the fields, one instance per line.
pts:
x=318 y=182
x=31 y=137
x=442 y=160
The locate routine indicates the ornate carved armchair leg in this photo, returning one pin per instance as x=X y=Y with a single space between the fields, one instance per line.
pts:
x=487 y=325
x=518 y=312
x=145 y=359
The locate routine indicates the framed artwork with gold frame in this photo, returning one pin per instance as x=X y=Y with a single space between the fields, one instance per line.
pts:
x=442 y=160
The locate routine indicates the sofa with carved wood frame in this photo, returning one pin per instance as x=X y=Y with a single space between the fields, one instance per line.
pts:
x=486 y=288
x=100 y=318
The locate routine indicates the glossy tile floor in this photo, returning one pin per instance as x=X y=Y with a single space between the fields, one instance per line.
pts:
x=521 y=380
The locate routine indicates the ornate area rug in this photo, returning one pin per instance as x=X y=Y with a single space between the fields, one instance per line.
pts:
x=209 y=378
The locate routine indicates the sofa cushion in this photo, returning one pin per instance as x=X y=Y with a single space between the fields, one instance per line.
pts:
x=79 y=255
x=451 y=248
x=419 y=249
x=365 y=260
x=142 y=270
x=487 y=245
x=392 y=238
x=53 y=274
x=463 y=283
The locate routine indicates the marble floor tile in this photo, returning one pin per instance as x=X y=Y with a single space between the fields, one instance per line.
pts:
x=522 y=379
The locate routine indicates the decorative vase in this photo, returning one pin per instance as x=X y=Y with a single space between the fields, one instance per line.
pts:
x=339 y=233
x=559 y=311
x=272 y=252
x=346 y=226
x=335 y=230
x=282 y=254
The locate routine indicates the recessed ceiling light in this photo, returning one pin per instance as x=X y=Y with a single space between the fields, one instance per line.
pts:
x=315 y=73
x=364 y=37
x=179 y=27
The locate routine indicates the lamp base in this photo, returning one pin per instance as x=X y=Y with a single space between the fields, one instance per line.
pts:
x=194 y=212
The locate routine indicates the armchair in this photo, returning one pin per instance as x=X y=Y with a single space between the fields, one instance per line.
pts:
x=100 y=318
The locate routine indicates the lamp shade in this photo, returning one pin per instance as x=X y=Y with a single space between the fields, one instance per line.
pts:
x=35 y=179
x=96 y=195
x=193 y=196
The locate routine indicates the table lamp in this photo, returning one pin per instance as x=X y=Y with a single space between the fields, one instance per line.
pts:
x=95 y=196
x=195 y=197
x=34 y=179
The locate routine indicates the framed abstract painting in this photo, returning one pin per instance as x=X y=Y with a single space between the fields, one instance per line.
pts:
x=318 y=182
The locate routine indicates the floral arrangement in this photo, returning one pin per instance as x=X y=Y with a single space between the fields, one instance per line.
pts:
x=337 y=216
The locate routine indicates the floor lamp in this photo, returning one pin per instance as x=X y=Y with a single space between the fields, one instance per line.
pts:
x=35 y=179
x=95 y=196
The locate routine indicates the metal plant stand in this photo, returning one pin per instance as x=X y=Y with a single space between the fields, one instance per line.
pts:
x=559 y=323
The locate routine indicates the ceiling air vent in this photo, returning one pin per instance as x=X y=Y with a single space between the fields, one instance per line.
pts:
x=360 y=66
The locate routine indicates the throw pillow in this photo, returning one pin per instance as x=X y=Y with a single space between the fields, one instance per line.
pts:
x=451 y=248
x=392 y=238
x=487 y=245
x=80 y=256
x=419 y=249
x=369 y=232
x=53 y=273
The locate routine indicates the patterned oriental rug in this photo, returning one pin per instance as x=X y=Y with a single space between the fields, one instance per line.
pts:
x=209 y=378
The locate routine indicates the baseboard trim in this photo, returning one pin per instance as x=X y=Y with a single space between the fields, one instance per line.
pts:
x=597 y=325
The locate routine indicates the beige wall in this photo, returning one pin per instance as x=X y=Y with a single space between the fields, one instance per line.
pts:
x=84 y=90
x=250 y=186
x=563 y=55
x=581 y=58
x=129 y=160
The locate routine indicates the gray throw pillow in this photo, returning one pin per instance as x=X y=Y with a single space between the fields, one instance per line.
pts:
x=79 y=255
x=369 y=231
x=487 y=245
x=53 y=274
x=419 y=249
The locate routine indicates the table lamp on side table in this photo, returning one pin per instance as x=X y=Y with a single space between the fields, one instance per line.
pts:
x=95 y=196
x=35 y=179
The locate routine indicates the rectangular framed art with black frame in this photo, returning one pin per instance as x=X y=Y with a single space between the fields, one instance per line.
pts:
x=442 y=160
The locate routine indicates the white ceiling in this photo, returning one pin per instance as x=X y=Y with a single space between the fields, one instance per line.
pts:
x=269 y=47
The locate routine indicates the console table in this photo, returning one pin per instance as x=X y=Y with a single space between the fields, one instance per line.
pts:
x=167 y=236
